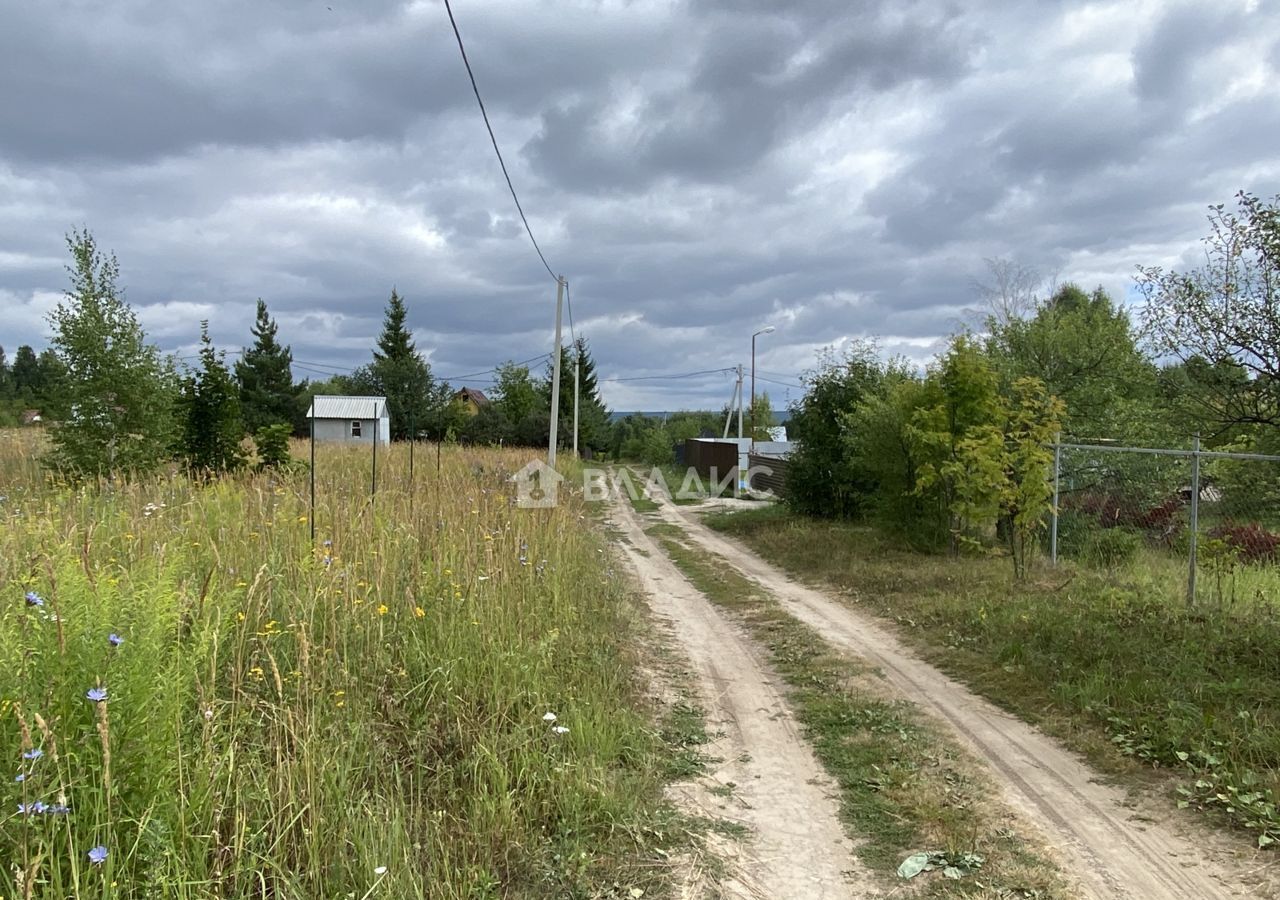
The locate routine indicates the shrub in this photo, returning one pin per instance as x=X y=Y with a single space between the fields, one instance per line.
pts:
x=1112 y=546
x=272 y=442
x=1251 y=542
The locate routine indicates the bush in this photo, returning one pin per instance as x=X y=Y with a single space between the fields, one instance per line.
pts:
x=1251 y=542
x=1112 y=546
x=272 y=443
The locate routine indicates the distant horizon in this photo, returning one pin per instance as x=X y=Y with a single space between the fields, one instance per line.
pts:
x=780 y=415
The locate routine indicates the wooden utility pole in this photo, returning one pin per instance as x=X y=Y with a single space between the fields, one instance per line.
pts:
x=555 y=377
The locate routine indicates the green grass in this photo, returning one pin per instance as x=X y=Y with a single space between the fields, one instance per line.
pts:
x=1101 y=658
x=285 y=717
x=643 y=504
x=902 y=787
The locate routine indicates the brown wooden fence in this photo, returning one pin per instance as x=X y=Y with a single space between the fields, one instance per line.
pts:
x=703 y=455
x=775 y=479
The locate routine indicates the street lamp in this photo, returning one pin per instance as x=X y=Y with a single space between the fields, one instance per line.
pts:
x=768 y=329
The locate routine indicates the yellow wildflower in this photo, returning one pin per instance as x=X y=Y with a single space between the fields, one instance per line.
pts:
x=419 y=611
x=382 y=609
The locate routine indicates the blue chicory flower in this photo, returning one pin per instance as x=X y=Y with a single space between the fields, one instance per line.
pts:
x=115 y=639
x=34 y=599
x=33 y=753
x=98 y=855
x=20 y=777
x=97 y=695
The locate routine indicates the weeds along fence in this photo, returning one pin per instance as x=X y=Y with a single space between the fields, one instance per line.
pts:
x=1201 y=524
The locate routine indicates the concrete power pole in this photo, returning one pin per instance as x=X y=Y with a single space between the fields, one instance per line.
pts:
x=555 y=377
x=577 y=372
x=739 y=401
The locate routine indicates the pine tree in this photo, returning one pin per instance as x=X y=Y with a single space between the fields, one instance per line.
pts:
x=267 y=395
x=8 y=415
x=414 y=401
x=119 y=391
x=593 y=415
x=26 y=376
x=210 y=411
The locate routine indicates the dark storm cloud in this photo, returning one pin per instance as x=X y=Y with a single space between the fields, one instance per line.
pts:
x=696 y=169
x=756 y=80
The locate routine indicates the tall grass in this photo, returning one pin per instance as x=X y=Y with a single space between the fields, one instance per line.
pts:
x=366 y=715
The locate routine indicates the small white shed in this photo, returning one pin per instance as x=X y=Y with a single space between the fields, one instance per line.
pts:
x=350 y=420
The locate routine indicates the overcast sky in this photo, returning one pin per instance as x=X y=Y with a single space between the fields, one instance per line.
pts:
x=696 y=170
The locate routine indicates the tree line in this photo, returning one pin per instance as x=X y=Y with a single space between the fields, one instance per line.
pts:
x=119 y=405
x=958 y=454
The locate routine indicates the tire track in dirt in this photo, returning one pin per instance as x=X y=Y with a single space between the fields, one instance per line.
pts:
x=796 y=847
x=1088 y=823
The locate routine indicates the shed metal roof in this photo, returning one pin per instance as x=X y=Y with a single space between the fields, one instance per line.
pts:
x=328 y=407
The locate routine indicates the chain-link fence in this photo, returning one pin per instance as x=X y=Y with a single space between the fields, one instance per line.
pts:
x=1193 y=523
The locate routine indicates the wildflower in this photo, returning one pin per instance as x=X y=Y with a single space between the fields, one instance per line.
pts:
x=382 y=609
x=549 y=717
x=34 y=599
x=58 y=809
x=559 y=729
x=419 y=612
x=208 y=713
x=326 y=543
x=33 y=753
x=381 y=870
x=97 y=695
x=98 y=855
x=20 y=777
x=114 y=639
x=328 y=560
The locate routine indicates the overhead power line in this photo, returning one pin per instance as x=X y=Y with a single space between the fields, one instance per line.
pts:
x=568 y=299
x=523 y=362
x=783 y=383
x=483 y=112
x=671 y=377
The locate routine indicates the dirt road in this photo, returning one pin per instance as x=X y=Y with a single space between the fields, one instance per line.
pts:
x=1092 y=826
x=795 y=847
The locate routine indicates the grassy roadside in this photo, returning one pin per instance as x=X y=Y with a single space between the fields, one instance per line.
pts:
x=903 y=788
x=1092 y=657
x=369 y=714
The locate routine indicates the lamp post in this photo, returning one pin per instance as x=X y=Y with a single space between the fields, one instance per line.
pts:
x=768 y=329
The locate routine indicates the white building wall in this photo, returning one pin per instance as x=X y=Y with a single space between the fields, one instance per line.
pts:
x=339 y=431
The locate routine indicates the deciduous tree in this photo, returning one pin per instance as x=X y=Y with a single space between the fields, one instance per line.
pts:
x=1225 y=313
x=119 y=391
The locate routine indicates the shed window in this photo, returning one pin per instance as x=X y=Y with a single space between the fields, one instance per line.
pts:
x=355 y=428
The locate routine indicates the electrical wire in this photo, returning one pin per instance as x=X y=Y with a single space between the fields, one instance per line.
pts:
x=783 y=383
x=665 y=377
x=568 y=299
x=473 y=375
x=483 y=112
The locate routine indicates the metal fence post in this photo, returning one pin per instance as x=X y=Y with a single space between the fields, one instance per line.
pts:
x=1057 y=477
x=1195 y=518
